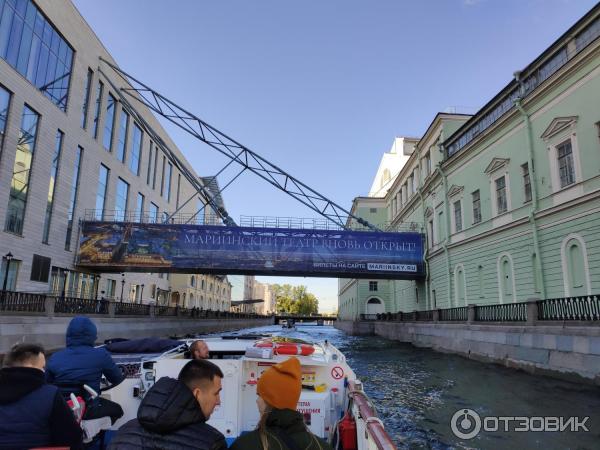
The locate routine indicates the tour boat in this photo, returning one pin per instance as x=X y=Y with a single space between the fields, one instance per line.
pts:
x=332 y=401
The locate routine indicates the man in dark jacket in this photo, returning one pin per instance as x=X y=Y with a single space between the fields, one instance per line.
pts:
x=81 y=363
x=173 y=414
x=33 y=413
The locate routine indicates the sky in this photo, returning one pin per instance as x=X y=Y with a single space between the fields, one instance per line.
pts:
x=321 y=88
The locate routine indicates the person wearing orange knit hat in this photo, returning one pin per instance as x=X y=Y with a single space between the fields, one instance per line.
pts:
x=280 y=426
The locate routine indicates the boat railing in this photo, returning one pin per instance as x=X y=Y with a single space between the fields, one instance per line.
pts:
x=580 y=309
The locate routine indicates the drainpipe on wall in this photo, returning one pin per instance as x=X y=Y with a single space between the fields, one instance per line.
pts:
x=425 y=248
x=447 y=239
x=534 y=191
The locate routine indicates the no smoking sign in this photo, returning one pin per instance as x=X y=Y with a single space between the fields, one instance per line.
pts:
x=337 y=372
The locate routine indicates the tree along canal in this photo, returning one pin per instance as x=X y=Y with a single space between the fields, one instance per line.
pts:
x=417 y=392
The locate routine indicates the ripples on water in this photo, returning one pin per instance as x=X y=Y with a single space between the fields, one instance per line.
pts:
x=417 y=391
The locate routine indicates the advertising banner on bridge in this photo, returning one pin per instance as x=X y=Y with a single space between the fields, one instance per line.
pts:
x=149 y=247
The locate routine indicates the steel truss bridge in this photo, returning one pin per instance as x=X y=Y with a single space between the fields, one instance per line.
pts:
x=340 y=245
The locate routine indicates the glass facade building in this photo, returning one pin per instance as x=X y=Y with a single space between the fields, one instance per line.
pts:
x=31 y=45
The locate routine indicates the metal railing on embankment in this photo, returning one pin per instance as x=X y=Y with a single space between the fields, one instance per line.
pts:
x=16 y=303
x=555 y=310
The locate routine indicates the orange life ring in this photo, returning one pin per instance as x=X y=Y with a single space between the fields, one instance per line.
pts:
x=286 y=348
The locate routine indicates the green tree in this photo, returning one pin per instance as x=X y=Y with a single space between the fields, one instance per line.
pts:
x=295 y=299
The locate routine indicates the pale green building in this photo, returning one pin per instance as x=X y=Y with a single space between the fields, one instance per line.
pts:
x=509 y=198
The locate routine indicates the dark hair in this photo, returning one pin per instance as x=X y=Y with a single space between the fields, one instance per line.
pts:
x=198 y=372
x=21 y=353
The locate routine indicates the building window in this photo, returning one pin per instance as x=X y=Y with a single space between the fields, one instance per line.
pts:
x=162 y=176
x=149 y=172
x=430 y=236
x=153 y=213
x=426 y=165
x=86 y=98
x=13 y=269
x=372 y=210
x=4 y=104
x=154 y=168
x=165 y=217
x=168 y=182
x=526 y=182
x=31 y=45
x=19 y=186
x=457 y=216
x=575 y=266
x=566 y=168
x=109 y=120
x=101 y=193
x=139 y=207
x=122 y=144
x=506 y=279
x=99 y=91
x=192 y=281
x=476 y=207
x=53 y=174
x=121 y=198
x=40 y=268
x=441 y=227
x=501 y=206
x=136 y=149
x=372 y=286
x=73 y=200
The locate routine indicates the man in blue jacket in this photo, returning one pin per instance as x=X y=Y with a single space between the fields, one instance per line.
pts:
x=81 y=363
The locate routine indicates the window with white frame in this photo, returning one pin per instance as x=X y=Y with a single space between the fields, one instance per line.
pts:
x=566 y=168
x=430 y=236
x=476 y=206
x=501 y=204
x=372 y=286
x=457 y=216
x=561 y=140
x=426 y=165
x=526 y=182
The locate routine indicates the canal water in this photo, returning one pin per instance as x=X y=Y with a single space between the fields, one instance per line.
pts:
x=417 y=391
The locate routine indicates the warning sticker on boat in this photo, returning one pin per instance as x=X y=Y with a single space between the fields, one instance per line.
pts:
x=337 y=372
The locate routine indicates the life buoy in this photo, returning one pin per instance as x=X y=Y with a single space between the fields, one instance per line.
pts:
x=286 y=348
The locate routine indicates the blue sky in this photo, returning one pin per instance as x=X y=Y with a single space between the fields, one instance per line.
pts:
x=321 y=88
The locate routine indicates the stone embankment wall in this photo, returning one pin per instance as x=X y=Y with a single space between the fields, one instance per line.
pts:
x=560 y=351
x=50 y=331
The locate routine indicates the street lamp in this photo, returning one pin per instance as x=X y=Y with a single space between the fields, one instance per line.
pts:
x=8 y=258
x=122 y=286
x=142 y=294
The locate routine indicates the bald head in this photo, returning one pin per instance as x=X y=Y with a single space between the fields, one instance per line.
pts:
x=199 y=350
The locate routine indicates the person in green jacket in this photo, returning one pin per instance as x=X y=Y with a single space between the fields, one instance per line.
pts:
x=280 y=427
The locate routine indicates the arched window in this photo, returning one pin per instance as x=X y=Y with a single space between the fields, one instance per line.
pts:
x=575 y=266
x=506 y=279
x=374 y=306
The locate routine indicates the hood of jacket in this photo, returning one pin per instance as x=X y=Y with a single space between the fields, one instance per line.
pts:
x=289 y=420
x=168 y=406
x=17 y=382
x=81 y=331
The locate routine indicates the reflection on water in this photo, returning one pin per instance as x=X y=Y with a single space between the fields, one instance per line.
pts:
x=418 y=390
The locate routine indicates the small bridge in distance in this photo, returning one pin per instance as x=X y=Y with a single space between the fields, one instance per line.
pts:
x=303 y=318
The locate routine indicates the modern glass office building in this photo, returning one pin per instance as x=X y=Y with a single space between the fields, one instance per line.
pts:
x=71 y=148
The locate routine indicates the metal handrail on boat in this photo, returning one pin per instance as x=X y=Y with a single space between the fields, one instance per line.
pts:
x=367 y=411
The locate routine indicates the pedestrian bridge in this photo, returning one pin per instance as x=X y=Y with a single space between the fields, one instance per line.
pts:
x=216 y=249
